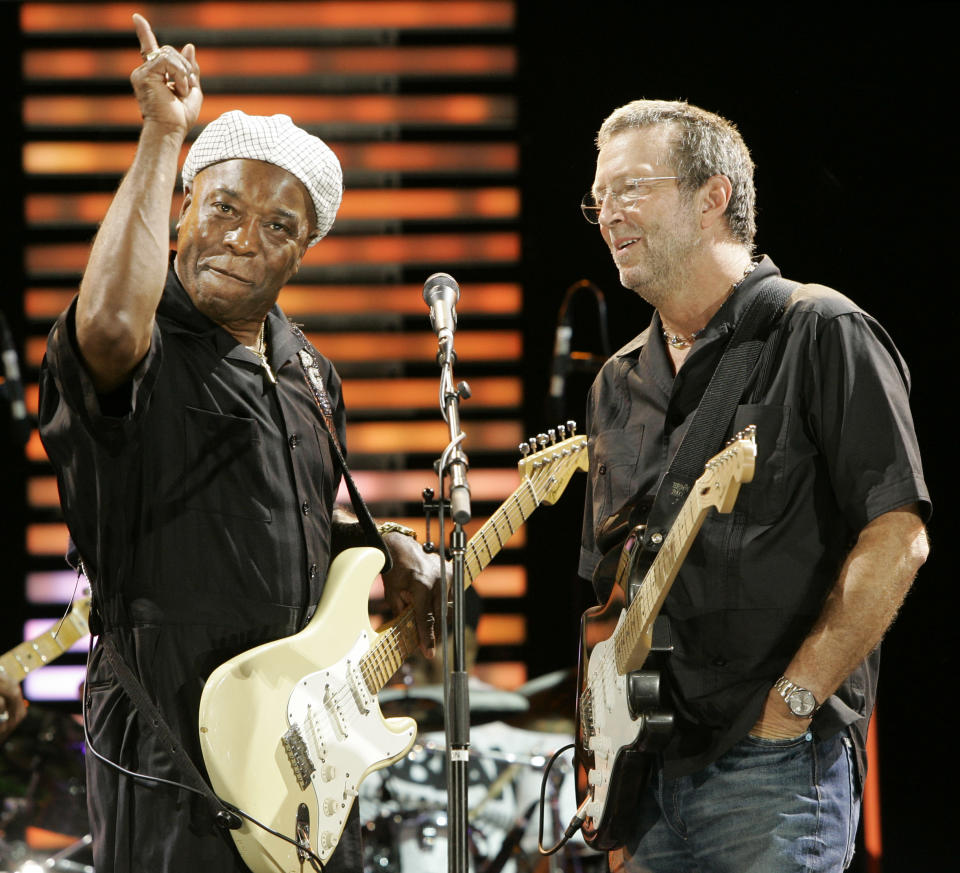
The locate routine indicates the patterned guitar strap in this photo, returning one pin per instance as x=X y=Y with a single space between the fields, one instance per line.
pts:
x=311 y=373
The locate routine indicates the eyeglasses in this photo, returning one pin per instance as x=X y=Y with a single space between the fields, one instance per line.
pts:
x=629 y=194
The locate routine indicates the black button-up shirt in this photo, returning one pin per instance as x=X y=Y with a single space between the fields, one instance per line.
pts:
x=200 y=500
x=836 y=449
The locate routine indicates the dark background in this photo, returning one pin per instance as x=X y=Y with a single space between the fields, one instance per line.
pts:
x=847 y=114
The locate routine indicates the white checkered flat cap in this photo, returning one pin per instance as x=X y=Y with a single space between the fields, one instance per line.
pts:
x=276 y=140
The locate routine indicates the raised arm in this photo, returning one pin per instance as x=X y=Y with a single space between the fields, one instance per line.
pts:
x=127 y=268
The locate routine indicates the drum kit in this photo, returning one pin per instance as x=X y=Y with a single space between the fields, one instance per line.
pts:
x=43 y=821
x=512 y=739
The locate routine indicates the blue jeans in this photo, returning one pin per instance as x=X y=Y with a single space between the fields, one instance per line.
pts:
x=766 y=806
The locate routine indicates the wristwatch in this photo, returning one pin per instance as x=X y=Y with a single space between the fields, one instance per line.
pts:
x=802 y=703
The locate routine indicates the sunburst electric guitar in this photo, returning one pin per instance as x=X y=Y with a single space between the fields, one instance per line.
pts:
x=620 y=720
x=41 y=650
x=289 y=729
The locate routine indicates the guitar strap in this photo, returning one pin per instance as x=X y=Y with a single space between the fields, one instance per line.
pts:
x=311 y=373
x=224 y=816
x=705 y=434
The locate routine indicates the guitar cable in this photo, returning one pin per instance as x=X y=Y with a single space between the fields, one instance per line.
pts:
x=575 y=823
x=315 y=862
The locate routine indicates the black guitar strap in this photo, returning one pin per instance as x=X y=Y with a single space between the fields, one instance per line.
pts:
x=222 y=814
x=703 y=438
x=715 y=412
x=311 y=373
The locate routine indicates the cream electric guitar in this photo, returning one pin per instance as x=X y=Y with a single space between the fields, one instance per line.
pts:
x=620 y=722
x=41 y=650
x=289 y=729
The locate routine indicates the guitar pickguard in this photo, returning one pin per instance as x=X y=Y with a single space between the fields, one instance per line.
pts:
x=337 y=736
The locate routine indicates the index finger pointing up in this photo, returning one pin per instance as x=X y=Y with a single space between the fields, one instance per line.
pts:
x=148 y=42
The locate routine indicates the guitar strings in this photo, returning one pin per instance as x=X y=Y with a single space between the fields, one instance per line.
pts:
x=388 y=647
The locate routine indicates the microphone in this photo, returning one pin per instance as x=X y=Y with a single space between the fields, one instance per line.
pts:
x=441 y=293
x=11 y=369
x=561 y=357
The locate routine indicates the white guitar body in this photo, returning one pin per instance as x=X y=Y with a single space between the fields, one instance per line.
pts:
x=335 y=733
x=290 y=729
x=621 y=721
x=611 y=724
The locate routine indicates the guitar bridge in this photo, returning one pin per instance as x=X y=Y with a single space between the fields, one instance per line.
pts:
x=296 y=749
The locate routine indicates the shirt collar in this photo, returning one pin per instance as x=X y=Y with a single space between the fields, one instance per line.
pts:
x=724 y=319
x=183 y=316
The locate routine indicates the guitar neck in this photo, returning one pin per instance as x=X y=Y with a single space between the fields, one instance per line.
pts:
x=30 y=655
x=631 y=640
x=402 y=638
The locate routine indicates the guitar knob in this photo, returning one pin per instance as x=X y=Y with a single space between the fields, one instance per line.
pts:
x=595 y=777
x=329 y=806
x=328 y=840
x=327 y=772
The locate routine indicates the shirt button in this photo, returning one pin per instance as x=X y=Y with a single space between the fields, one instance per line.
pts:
x=294 y=440
x=603 y=469
x=306 y=507
x=314 y=570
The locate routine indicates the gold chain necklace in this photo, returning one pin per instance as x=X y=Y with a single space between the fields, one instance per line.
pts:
x=260 y=350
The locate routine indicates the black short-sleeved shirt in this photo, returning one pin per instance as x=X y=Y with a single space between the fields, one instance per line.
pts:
x=200 y=502
x=836 y=449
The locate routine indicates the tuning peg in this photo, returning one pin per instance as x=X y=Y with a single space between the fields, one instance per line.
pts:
x=542 y=440
x=562 y=430
x=524 y=449
x=553 y=436
x=533 y=444
x=572 y=427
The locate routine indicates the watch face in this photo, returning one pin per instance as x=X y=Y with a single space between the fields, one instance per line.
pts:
x=802 y=703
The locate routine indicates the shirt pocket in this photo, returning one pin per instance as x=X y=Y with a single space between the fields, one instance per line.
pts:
x=224 y=469
x=615 y=462
x=764 y=498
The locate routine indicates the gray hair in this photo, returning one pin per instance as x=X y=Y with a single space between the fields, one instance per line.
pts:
x=704 y=145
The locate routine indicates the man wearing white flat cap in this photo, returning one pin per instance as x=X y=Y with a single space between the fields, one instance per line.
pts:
x=197 y=458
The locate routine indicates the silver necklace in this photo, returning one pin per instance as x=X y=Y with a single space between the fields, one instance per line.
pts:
x=679 y=341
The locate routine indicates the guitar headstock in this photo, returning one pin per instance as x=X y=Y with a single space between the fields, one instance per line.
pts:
x=554 y=463
x=726 y=471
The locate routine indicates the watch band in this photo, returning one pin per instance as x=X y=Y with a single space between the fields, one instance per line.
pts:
x=806 y=702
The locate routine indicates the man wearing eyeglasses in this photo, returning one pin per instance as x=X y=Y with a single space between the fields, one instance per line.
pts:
x=777 y=611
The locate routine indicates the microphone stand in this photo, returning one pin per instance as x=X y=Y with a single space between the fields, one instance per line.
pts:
x=456 y=694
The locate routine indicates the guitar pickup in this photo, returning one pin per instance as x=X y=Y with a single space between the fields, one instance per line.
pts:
x=332 y=706
x=358 y=687
x=296 y=749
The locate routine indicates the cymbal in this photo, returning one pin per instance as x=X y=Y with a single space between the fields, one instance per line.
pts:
x=425 y=702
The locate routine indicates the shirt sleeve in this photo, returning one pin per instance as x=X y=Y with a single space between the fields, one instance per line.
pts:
x=860 y=414
x=68 y=398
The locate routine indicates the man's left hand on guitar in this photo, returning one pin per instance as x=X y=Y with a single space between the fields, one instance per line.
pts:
x=12 y=706
x=415 y=580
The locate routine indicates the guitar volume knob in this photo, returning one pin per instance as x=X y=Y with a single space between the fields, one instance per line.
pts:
x=329 y=806
x=327 y=772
